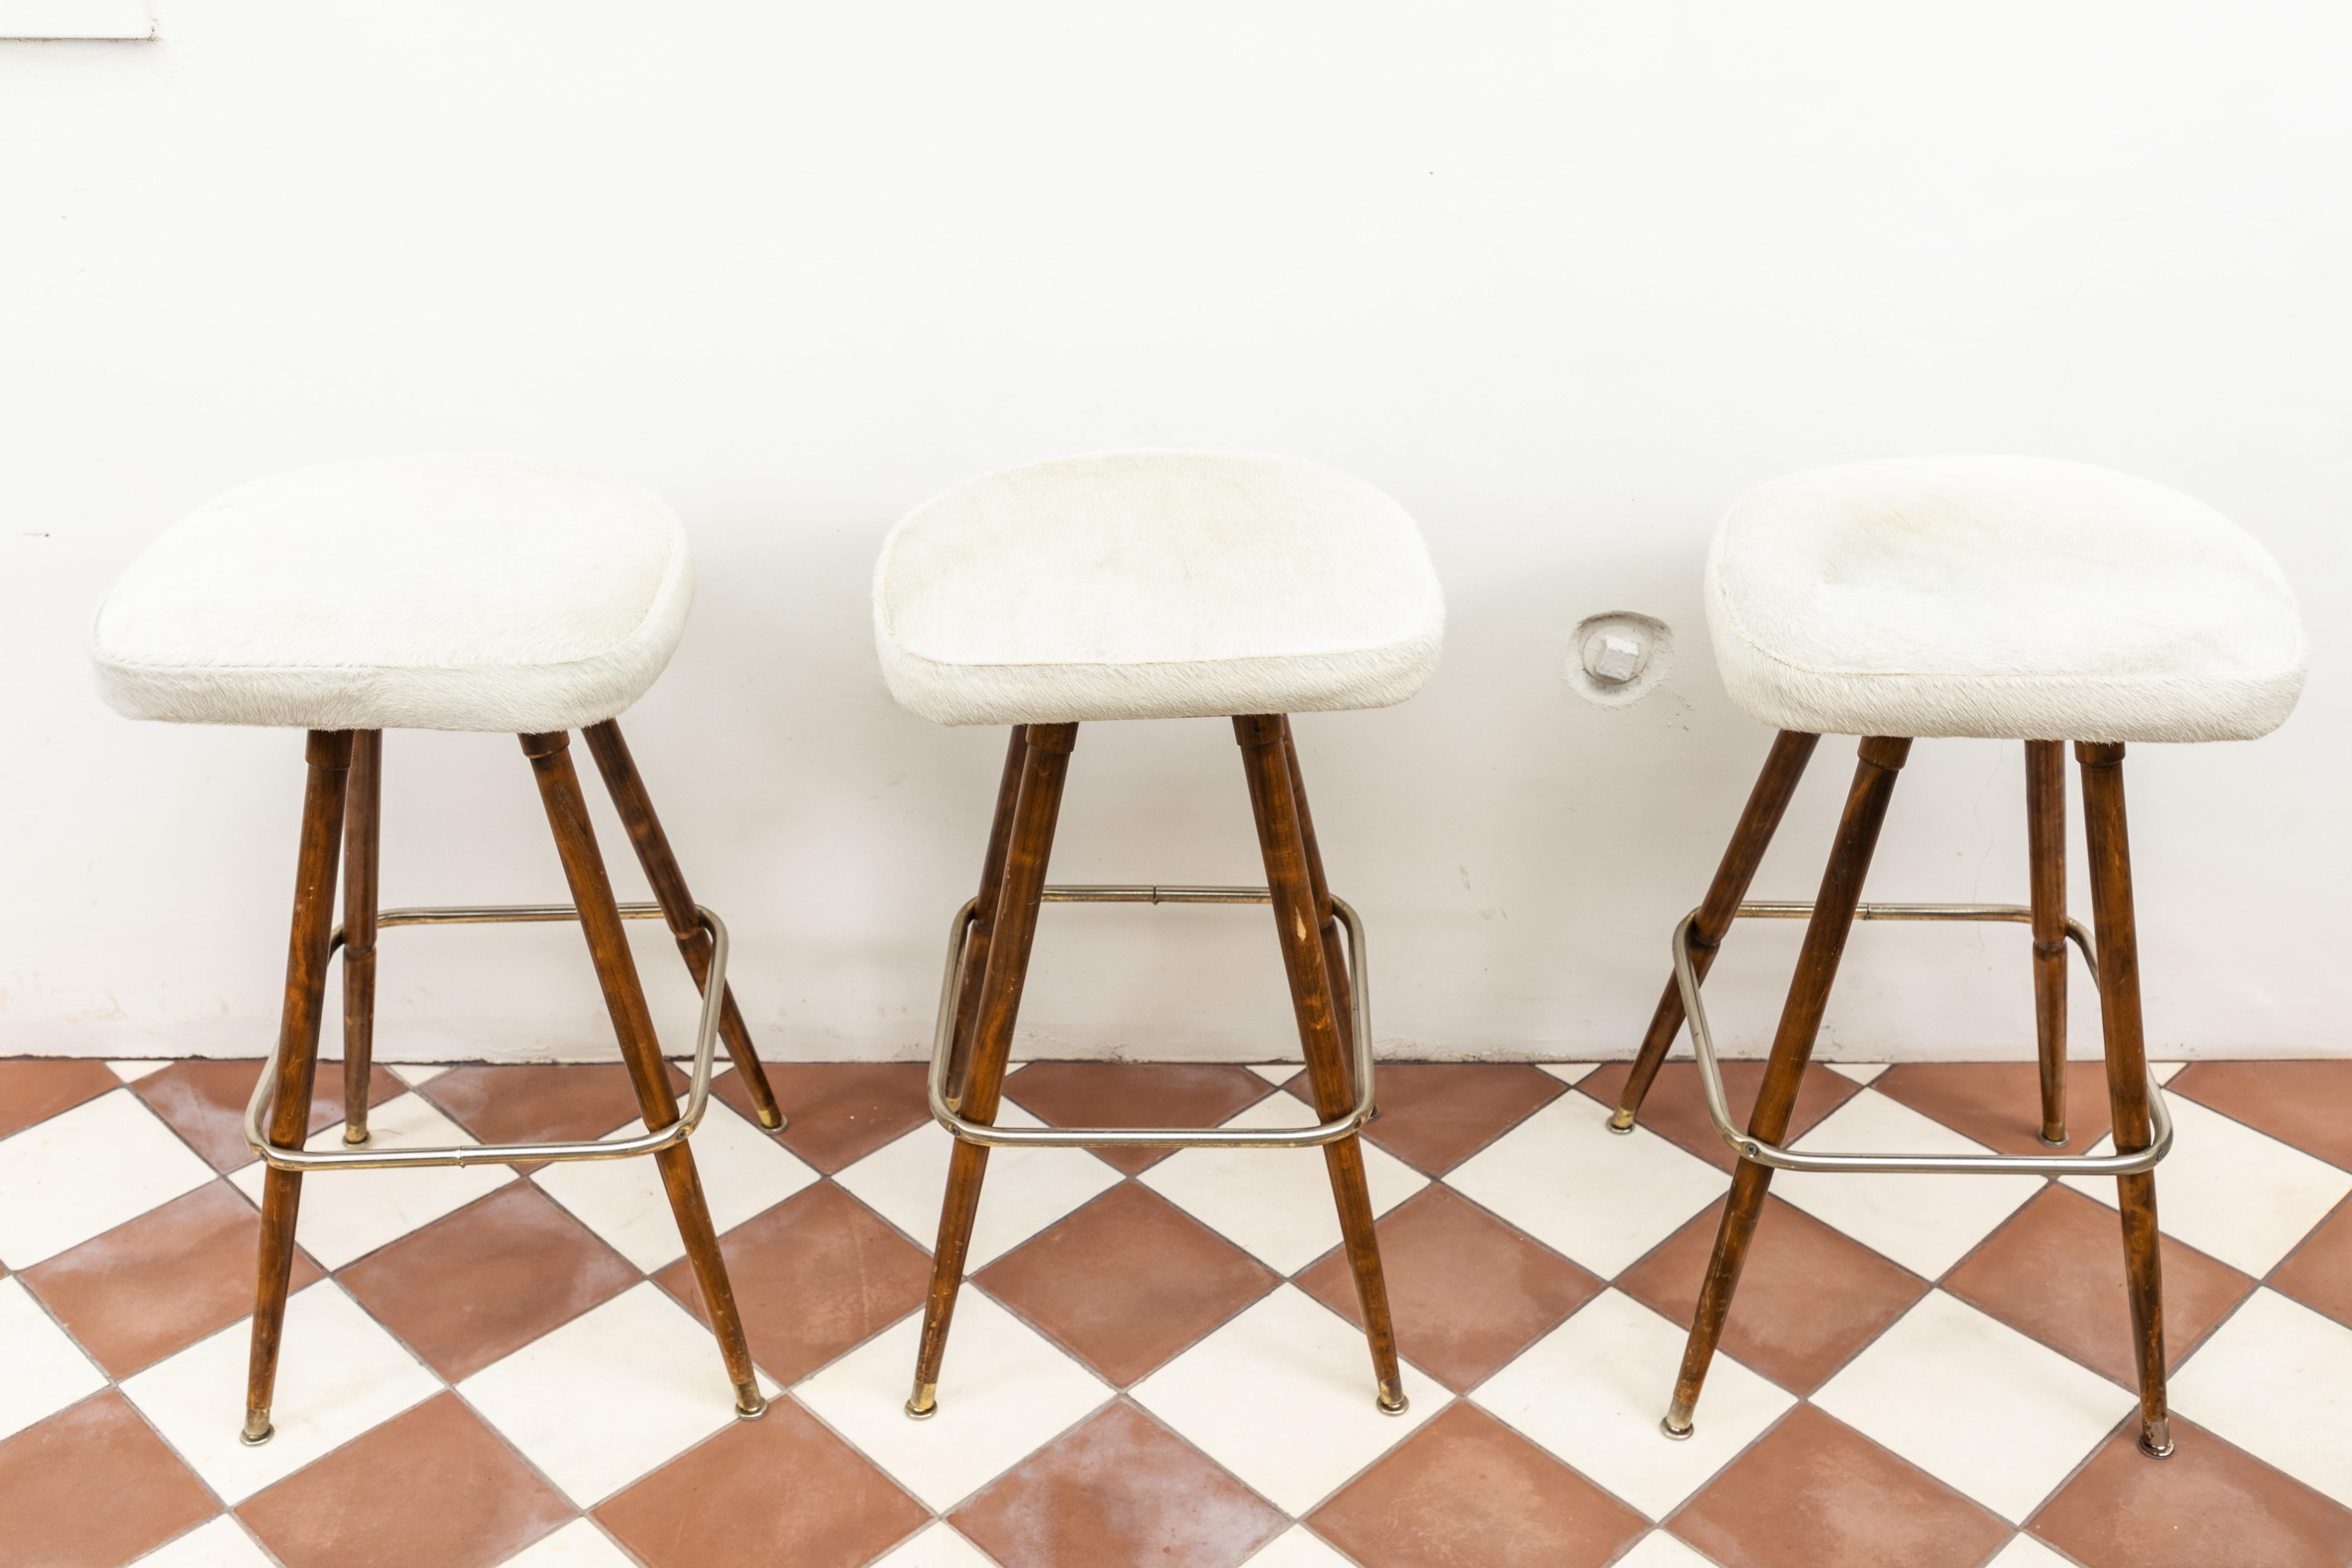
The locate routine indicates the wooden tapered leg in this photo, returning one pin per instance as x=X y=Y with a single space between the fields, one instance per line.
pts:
x=984 y=919
x=1784 y=766
x=1301 y=912
x=627 y=788
x=363 y=798
x=625 y=999
x=1335 y=951
x=1792 y=1047
x=2045 y=848
x=1044 y=766
x=2109 y=843
x=328 y=752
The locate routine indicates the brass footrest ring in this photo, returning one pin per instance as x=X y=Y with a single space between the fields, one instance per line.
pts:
x=970 y=1132
x=362 y=1157
x=1718 y=1109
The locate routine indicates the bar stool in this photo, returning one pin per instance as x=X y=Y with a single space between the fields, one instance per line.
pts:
x=435 y=592
x=1153 y=585
x=2005 y=598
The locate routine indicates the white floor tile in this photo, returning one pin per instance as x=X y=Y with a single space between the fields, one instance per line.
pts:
x=609 y=1396
x=1004 y=1390
x=1925 y=1222
x=1025 y=1191
x=2165 y=1071
x=346 y=1214
x=415 y=1073
x=131 y=1072
x=2237 y=1195
x=2024 y=1551
x=1571 y=1072
x=1659 y=1549
x=1861 y=1072
x=1592 y=1392
x=221 y=1543
x=1277 y=1073
x=1275 y=1204
x=579 y=1545
x=745 y=1172
x=42 y=1371
x=938 y=1547
x=1975 y=1404
x=85 y=1171
x=2276 y=1380
x=1601 y=1197
x=1297 y=1547
x=1283 y=1396
x=339 y=1374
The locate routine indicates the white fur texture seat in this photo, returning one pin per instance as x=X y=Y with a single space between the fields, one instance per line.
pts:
x=2014 y=598
x=430 y=593
x=1155 y=585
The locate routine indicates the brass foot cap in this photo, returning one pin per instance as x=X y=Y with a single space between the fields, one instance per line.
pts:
x=2058 y=1142
x=355 y=1135
x=1666 y=1425
x=1621 y=1122
x=921 y=1412
x=254 y=1438
x=751 y=1411
x=779 y=1124
x=1396 y=1405
x=2156 y=1439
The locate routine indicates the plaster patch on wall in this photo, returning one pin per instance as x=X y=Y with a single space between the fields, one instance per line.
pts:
x=1618 y=657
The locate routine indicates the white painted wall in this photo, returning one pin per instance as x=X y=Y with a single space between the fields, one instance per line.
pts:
x=1563 y=279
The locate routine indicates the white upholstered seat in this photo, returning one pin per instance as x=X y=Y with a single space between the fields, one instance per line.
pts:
x=1155 y=585
x=432 y=593
x=2015 y=598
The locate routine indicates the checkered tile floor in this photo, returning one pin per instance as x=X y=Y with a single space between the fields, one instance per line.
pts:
x=1155 y=1361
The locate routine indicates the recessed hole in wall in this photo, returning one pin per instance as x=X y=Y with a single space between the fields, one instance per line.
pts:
x=1616 y=658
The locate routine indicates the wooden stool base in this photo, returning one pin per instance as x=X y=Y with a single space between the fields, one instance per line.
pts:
x=988 y=963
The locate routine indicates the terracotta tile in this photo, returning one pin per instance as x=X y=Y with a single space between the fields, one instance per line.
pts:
x=2300 y=1102
x=836 y=1113
x=781 y=1489
x=488 y=1279
x=1468 y=1292
x=1675 y=1107
x=2056 y=1272
x=1127 y=1281
x=1121 y=1489
x=204 y=1102
x=2319 y=1272
x=34 y=1089
x=432 y=1485
x=1998 y=1104
x=1466 y=1491
x=1815 y=1493
x=1434 y=1115
x=159 y=1282
x=2209 y=1504
x=813 y=1276
x=93 y=1487
x=1134 y=1094
x=1809 y=1298
x=535 y=1103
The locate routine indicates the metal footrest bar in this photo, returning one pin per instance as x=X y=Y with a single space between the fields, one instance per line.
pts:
x=698 y=1095
x=943 y=1041
x=1718 y=1109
